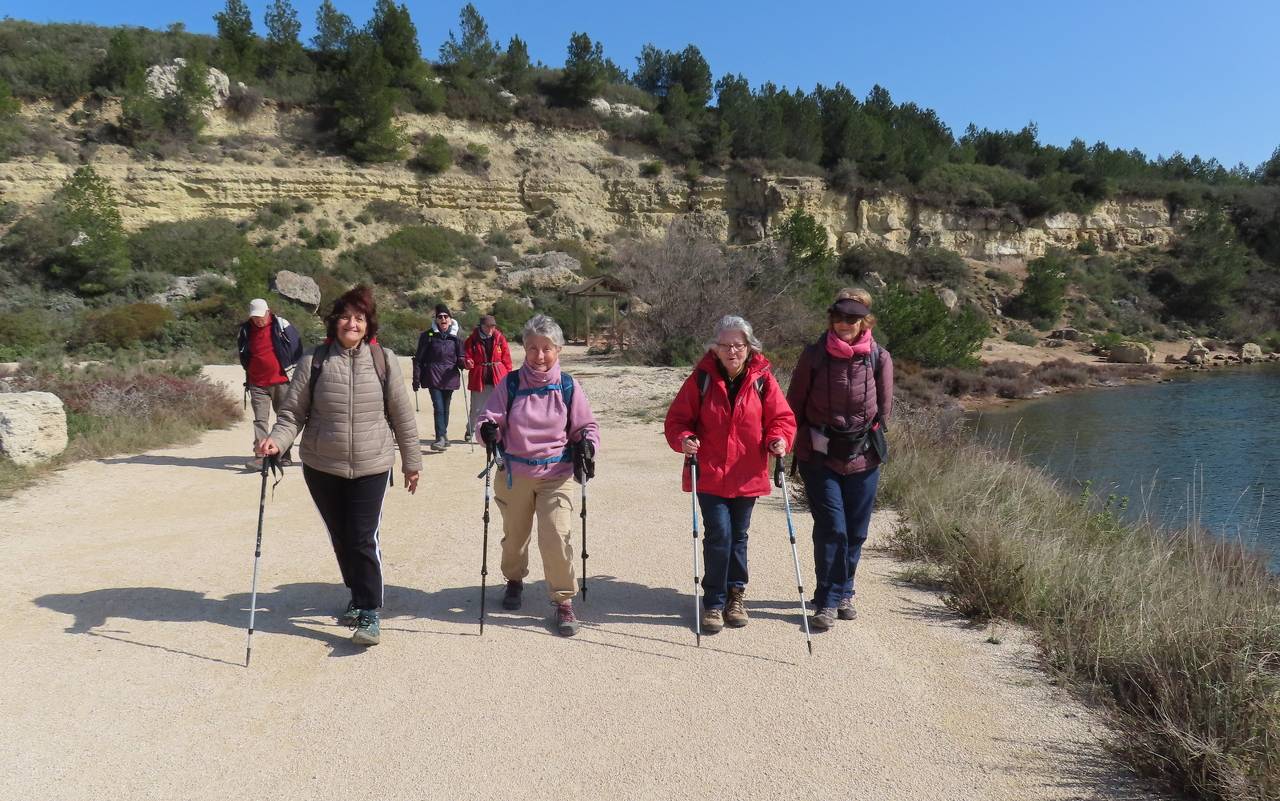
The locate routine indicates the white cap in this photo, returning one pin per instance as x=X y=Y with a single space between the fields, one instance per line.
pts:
x=257 y=308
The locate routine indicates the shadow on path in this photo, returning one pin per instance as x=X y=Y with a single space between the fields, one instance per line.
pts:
x=228 y=463
x=306 y=609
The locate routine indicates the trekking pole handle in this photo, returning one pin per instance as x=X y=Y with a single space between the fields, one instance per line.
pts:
x=777 y=472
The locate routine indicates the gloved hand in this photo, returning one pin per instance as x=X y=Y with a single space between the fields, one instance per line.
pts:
x=584 y=461
x=416 y=387
x=489 y=433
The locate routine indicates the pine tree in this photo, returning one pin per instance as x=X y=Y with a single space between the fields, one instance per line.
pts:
x=123 y=59
x=333 y=28
x=95 y=259
x=284 y=51
x=471 y=54
x=515 y=73
x=236 y=40
x=583 y=75
x=365 y=104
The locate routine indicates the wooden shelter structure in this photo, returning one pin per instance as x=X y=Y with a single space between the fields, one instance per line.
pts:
x=602 y=287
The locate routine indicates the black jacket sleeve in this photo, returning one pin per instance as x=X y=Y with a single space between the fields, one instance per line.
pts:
x=292 y=345
x=419 y=358
x=242 y=346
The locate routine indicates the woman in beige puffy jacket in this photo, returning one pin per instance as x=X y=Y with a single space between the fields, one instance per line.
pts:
x=353 y=419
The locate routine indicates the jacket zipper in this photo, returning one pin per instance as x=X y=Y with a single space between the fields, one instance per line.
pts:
x=351 y=418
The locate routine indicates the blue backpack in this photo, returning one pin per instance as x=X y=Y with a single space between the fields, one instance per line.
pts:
x=565 y=388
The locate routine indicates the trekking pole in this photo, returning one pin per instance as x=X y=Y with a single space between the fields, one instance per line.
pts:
x=780 y=480
x=693 y=497
x=466 y=409
x=484 y=557
x=583 y=515
x=267 y=463
x=416 y=407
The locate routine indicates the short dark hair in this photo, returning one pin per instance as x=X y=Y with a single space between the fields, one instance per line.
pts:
x=358 y=298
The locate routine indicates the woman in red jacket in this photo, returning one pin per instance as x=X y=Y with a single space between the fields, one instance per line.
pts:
x=488 y=357
x=732 y=414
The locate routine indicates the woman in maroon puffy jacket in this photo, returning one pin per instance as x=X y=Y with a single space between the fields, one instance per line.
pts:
x=731 y=413
x=841 y=393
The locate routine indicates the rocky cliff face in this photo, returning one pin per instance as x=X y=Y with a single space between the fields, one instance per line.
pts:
x=557 y=184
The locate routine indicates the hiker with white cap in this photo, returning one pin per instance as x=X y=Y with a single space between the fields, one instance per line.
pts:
x=269 y=348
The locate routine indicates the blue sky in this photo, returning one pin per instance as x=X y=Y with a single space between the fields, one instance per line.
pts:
x=1200 y=77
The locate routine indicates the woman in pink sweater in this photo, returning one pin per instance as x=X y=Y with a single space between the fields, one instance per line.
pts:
x=540 y=421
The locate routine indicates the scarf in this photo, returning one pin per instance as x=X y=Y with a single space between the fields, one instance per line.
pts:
x=839 y=349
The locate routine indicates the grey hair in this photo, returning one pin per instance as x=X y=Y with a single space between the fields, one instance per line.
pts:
x=732 y=322
x=543 y=326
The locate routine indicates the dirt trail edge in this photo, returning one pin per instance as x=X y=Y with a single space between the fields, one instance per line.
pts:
x=127 y=600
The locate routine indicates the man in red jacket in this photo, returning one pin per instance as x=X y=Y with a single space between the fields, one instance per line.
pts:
x=269 y=348
x=488 y=357
x=732 y=414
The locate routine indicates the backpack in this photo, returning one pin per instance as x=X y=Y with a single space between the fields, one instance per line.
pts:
x=565 y=388
x=379 y=367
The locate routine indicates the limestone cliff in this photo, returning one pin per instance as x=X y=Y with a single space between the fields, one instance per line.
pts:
x=557 y=183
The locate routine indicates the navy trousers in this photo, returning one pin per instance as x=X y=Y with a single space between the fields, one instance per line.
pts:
x=724 y=546
x=841 y=508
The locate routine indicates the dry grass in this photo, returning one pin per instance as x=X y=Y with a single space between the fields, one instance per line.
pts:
x=1178 y=633
x=113 y=409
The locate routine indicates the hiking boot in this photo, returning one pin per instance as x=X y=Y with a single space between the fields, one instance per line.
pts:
x=735 y=611
x=712 y=620
x=368 y=631
x=511 y=597
x=566 y=621
x=439 y=445
x=845 y=610
x=823 y=619
x=350 y=617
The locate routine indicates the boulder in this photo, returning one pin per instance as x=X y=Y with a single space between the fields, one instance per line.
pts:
x=1171 y=359
x=11 y=368
x=948 y=297
x=33 y=427
x=1251 y=352
x=162 y=81
x=300 y=289
x=874 y=281
x=1068 y=334
x=620 y=110
x=181 y=287
x=1130 y=353
x=1196 y=353
x=551 y=270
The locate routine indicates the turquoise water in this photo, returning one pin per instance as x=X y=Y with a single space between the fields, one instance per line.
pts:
x=1204 y=446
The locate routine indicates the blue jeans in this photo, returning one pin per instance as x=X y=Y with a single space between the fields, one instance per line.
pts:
x=440 y=399
x=724 y=546
x=841 y=508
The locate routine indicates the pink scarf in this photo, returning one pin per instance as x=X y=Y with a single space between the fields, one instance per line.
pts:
x=839 y=349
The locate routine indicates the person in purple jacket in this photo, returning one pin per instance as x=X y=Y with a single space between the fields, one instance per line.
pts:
x=841 y=392
x=540 y=421
x=437 y=365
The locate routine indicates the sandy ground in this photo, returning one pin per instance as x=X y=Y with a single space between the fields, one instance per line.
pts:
x=128 y=590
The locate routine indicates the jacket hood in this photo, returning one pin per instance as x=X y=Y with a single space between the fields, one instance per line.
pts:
x=453 y=328
x=757 y=364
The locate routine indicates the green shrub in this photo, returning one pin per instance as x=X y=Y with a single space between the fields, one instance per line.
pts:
x=916 y=327
x=188 y=247
x=124 y=326
x=392 y=212
x=323 y=239
x=651 y=169
x=398 y=329
x=1020 y=337
x=475 y=158
x=27 y=333
x=1001 y=277
x=1044 y=291
x=434 y=155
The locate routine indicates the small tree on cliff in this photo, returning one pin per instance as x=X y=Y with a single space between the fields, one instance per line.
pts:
x=236 y=41
x=365 y=104
x=93 y=258
x=584 y=71
x=470 y=54
x=284 y=52
x=515 y=72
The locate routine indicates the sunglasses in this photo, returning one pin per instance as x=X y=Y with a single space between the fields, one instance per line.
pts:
x=850 y=319
x=442 y=317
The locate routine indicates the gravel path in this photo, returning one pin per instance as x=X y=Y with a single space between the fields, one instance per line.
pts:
x=128 y=596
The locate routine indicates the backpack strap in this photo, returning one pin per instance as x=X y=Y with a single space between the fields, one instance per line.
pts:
x=565 y=388
x=318 y=357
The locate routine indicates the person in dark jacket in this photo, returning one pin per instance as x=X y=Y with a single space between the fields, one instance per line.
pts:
x=841 y=392
x=732 y=414
x=488 y=360
x=269 y=348
x=437 y=365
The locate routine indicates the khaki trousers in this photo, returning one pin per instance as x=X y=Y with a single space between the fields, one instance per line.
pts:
x=550 y=500
x=264 y=400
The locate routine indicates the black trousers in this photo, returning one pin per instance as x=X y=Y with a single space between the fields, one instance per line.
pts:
x=352 y=512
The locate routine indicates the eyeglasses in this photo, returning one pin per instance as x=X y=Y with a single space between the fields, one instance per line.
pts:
x=732 y=346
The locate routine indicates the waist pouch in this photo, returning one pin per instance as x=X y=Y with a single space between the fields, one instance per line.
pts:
x=847 y=445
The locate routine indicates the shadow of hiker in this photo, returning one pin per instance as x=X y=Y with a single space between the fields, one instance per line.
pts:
x=230 y=463
x=307 y=609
